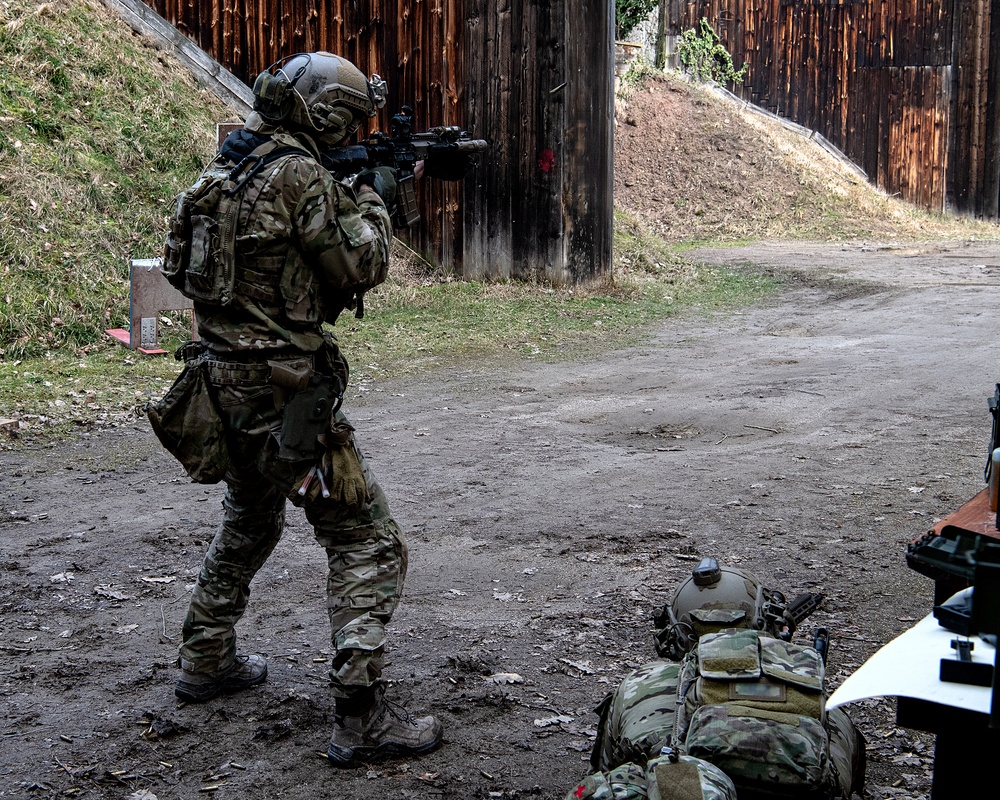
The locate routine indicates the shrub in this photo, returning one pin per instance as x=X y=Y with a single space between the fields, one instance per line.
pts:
x=704 y=56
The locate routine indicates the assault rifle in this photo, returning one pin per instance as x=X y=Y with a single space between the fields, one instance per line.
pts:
x=446 y=151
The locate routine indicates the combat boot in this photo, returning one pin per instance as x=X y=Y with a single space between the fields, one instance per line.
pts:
x=244 y=672
x=382 y=731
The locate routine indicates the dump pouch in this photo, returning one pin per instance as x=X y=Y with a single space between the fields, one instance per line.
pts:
x=187 y=423
x=304 y=417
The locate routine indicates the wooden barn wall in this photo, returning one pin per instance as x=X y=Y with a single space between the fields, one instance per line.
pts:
x=534 y=77
x=540 y=82
x=908 y=89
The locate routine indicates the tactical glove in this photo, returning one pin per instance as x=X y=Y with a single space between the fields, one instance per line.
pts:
x=346 y=482
x=382 y=180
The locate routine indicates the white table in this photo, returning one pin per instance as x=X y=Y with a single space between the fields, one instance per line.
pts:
x=967 y=751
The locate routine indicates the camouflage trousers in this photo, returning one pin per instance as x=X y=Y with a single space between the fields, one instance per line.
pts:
x=366 y=552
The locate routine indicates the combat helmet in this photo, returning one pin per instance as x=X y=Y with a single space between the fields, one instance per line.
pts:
x=717 y=598
x=319 y=93
x=712 y=598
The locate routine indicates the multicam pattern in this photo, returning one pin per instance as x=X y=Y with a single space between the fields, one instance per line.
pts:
x=639 y=717
x=626 y=782
x=664 y=778
x=304 y=246
x=687 y=777
x=755 y=707
x=789 y=747
x=847 y=754
x=365 y=550
x=755 y=748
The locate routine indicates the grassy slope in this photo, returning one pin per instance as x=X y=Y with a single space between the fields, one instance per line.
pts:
x=99 y=136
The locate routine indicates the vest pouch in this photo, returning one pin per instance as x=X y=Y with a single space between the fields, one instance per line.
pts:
x=713 y=620
x=204 y=272
x=199 y=253
x=187 y=423
x=674 y=777
x=176 y=250
x=300 y=292
x=765 y=753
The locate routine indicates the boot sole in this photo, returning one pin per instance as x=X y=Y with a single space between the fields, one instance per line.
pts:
x=348 y=756
x=190 y=694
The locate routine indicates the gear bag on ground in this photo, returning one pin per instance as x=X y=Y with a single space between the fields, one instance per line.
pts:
x=668 y=776
x=743 y=697
x=771 y=750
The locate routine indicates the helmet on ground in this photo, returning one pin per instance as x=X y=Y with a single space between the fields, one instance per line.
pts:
x=320 y=93
x=713 y=598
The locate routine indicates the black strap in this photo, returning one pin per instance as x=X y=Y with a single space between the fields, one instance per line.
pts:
x=994 y=406
x=243 y=172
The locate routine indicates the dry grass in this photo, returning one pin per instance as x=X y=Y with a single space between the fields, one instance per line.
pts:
x=693 y=166
x=843 y=205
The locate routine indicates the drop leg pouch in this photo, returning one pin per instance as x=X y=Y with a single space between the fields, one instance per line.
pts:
x=187 y=423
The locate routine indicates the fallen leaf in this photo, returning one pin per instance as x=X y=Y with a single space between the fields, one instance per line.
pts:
x=164 y=579
x=505 y=677
x=107 y=590
x=582 y=667
x=548 y=722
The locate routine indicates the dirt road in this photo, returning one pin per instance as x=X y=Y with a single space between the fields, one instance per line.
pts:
x=550 y=510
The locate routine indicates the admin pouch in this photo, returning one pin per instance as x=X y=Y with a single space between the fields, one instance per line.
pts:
x=637 y=719
x=187 y=422
x=199 y=256
x=755 y=707
x=666 y=777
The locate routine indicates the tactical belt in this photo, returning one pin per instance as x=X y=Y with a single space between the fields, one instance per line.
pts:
x=233 y=373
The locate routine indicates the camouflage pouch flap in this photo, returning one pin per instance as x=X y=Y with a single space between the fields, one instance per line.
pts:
x=640 y=716
x=188 y=425
x=729 y=655
x=677 y=780
x=787 y=754
x=627 y=782
x=712 y=620
x=792 y=663
x=687 y=778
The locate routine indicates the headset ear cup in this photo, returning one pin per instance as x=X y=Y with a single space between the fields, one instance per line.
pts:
x=273 y=96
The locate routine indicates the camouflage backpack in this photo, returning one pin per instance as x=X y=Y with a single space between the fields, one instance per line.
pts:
x=669 y=776
x=755 y=706
x=637 y=719
x=199 y=253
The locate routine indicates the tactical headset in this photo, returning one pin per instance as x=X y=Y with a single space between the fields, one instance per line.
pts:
x=274 y=91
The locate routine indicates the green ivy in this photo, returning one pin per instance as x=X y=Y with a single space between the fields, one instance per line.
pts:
x=629 y=13
x=703 y=55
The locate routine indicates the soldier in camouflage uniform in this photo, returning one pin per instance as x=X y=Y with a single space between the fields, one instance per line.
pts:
x=307 y=246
